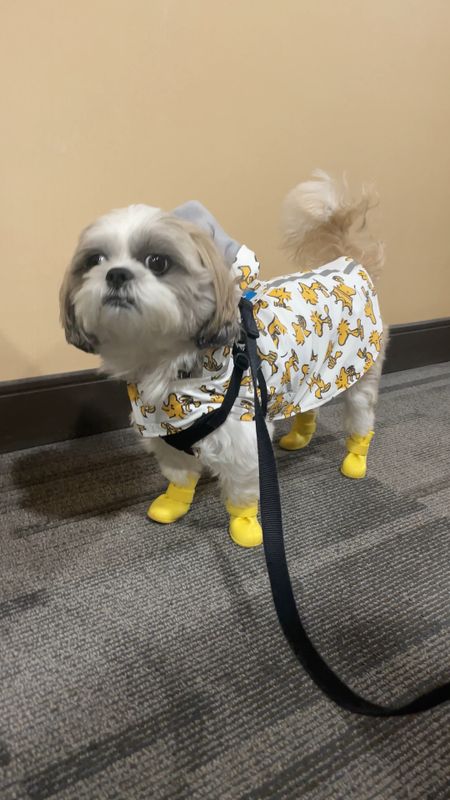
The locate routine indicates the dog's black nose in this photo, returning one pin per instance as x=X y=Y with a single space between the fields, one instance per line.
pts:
x=117 y=276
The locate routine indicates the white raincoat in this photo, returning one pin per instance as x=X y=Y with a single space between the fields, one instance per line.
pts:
x=320 y=332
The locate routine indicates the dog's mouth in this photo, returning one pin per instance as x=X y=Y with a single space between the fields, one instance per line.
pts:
x=114 y=300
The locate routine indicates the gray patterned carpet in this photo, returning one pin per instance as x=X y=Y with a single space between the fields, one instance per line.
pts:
x=146 y=662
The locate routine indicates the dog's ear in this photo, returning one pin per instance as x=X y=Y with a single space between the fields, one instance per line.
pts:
x=74 y=332
x=223 y=327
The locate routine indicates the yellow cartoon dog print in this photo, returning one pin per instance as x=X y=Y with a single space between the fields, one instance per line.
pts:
x=289 y=365
x=301 y=332
x=276 y=329
x=343 y=293
x=319 y=320
x=310 y=292
x=319 y=332
x=282 y=297
x=179 y=407
x=319 y=385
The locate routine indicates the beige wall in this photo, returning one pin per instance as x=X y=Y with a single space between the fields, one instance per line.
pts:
x=108 y=102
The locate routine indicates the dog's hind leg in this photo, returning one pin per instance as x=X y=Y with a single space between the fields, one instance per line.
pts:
x=183 y=472
x=301 y=433
x=360 y=401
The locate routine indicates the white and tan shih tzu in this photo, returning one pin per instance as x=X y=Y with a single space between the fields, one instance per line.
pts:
x=156 y=294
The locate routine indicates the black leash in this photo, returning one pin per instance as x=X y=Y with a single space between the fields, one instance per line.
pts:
x=323 y=676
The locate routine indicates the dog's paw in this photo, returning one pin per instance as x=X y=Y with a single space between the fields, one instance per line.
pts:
x=174 y=503
x=246 y=531
x=354 y=466
x=295 y=441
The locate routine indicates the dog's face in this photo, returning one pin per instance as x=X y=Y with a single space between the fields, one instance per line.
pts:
x=143 y=280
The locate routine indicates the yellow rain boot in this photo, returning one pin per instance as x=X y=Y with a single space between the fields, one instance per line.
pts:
x=301 y=433
x=354 y=464
x=174 y=503
x=245 y=529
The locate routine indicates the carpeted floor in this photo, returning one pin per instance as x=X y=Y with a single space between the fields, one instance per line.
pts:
x=146 y=662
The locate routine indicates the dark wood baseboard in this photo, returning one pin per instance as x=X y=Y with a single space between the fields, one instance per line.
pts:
x=53 y=408
x=417 y=344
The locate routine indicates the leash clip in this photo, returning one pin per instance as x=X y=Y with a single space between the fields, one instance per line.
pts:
x=248 y=319
x=240 y=357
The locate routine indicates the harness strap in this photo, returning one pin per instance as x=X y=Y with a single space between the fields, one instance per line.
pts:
x=208 y=423
x=271 y=517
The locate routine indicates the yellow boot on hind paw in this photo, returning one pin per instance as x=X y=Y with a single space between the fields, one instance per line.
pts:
x=173 y=504
x=354 y=464
x=245 y=529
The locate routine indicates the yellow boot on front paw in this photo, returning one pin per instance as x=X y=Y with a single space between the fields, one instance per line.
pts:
x=174 y=503
x=354 y=464
x=294 y=440
x=301 y=433
x=245 y=529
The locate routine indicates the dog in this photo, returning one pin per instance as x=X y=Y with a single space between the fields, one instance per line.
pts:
x=156 y=294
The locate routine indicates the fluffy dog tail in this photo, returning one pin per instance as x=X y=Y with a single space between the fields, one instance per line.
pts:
x=321 y=222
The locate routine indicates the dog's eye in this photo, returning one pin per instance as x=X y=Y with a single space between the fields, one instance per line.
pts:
x=158 y=264
x=94 y=259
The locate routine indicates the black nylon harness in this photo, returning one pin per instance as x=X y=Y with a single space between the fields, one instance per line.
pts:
x=245 y=356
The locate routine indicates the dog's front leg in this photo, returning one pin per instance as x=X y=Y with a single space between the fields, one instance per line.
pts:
x=183 y=472
x=231 y=453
